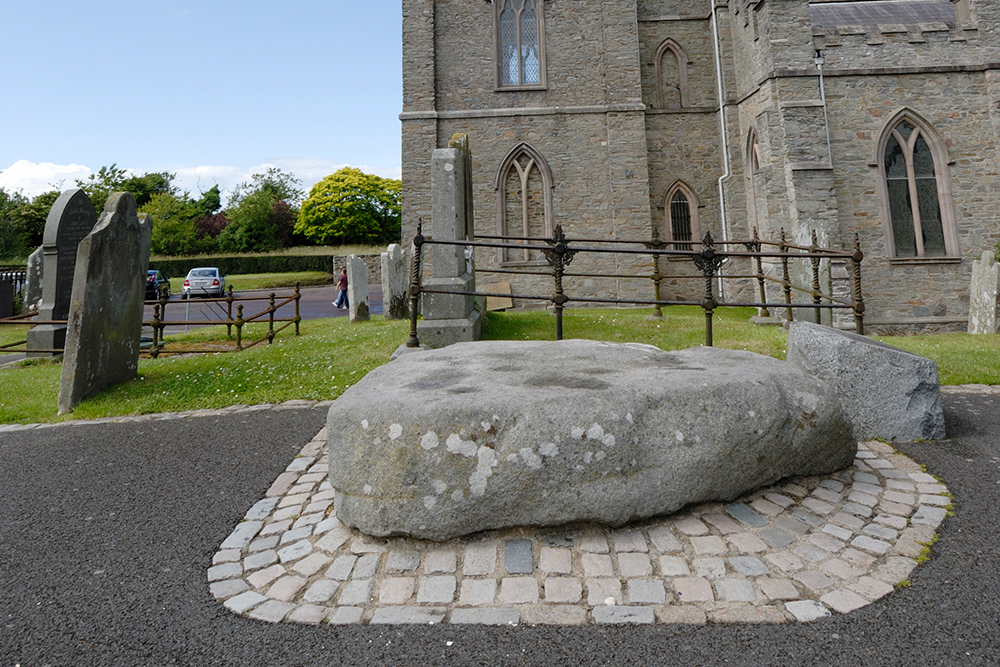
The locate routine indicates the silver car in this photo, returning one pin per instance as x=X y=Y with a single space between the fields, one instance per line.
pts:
x=205 y=281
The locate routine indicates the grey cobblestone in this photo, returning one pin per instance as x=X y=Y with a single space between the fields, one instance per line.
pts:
x=799 y=550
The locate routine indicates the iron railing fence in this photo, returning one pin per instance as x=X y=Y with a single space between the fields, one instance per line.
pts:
x=225 y=307
x=17 y=277
x=707 y=259
x=159 y=322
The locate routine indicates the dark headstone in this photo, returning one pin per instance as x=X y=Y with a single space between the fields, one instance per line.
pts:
x=72 y=217
x=6 y=298
x=105 y=324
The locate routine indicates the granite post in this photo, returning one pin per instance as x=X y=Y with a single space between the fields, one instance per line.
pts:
x=71 y=218
x=33 y=284
x=395 y=296
x=984 y=296
x=357 y=289
x=450 y=318
x=109 y=288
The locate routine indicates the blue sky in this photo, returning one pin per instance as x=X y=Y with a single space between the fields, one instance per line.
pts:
x=212 y=90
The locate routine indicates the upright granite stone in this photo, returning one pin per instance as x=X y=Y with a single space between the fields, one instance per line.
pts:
x=450 y=318
x=71 y=218
x=357 y=290
x=984 y=296
x=33 y=284
x=886 y=392
x=395 y=299
x=493 y=434
x=102 y=341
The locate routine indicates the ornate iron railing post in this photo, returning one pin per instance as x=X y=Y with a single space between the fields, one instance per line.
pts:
x=270 y=319
x=239 y=327
x=418 y=242
x=708 y=262
x=814 y=250
x=656 y=244
x=154 y=351
x=859 y=304
x=559 y=256
x=754 y=246
x=297 y=318
x=786 y=281
x=229 y=313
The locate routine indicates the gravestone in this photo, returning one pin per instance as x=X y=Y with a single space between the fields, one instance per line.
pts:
x=886 y=392
x=33 y=283
x=984 y=296
x=6 y=297
x=72 y=217
x=395 y=284
x=109 y=288
x=450 y=318
x=497 y=434
x=357 y=289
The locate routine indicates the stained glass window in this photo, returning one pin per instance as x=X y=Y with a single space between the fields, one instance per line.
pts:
x=912 y=191
x=519 y=39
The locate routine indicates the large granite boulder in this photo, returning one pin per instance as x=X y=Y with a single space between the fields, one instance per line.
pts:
x=886 y=392
x=487 y=435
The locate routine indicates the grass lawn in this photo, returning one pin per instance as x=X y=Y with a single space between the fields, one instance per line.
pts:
x=332 y=354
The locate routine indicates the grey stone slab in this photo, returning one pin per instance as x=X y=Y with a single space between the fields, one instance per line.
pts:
x=886 y=392
x=402 y=561
x=408 y=615
x=225 y=571
x=260 y=559
x=929 y=516
x=749 y=566
x=227 y=589
x=735 y=590
x=355 y=593
x=437 y=590
x=365 y=567
x=745 y=515
x=984 y=295
x=321 y=591
x=295 y=534
x=272 y=611
x=646 y=591
x=261 y=509
x=109 y=288
x=486 y=616
x=244 y=602
x=776 y=538
x=616 y=615
x=487 y=484
x=395 y=284
x=517 y=557
x=241 y=535
x=263 y=544
x=359 y=308
x=806 y=611
x=295 y=551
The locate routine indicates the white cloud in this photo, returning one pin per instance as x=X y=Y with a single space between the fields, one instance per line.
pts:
x=34 y=179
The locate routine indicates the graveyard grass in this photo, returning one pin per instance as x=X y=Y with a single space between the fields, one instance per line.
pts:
x=332 y=354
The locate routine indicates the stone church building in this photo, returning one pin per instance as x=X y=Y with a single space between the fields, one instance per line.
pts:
x=610 y=117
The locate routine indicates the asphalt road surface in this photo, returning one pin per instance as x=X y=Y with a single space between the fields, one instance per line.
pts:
x=107 y=531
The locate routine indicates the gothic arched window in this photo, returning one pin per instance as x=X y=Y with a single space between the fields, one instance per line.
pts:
x=915 y=188
x=520 y=43
x=670 y=64
x=680 y=214
x=524 y=201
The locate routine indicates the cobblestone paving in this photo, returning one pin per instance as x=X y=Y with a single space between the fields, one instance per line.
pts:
x=798 y=551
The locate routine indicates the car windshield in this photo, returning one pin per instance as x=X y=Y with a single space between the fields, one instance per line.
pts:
x=203 y=273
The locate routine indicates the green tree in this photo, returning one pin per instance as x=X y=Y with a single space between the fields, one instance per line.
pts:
x=174 y=232
x=109 y=180
x=262 y=213
x=32 y=215
x=351 y=206
x=11 y=241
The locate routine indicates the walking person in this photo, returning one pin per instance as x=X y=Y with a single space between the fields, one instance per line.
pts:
x=341 y=301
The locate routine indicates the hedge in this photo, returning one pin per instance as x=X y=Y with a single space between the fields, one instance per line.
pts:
x=242 y=264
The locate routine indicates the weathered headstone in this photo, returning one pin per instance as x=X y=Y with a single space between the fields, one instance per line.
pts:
x=33 y=283
x=494 y=434
x=886 y=392
x=395 y=298
x=109 y=288
x=984 y=296
x=357 y=289
x=450 y=318
x=71 y=218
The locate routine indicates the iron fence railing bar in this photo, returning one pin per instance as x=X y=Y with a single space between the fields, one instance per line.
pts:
x=708 y=261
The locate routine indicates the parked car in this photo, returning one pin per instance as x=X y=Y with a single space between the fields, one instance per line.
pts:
x=204 y=281
x=154 y=280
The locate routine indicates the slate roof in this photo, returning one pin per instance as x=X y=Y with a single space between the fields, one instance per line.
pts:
x=829 y=15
